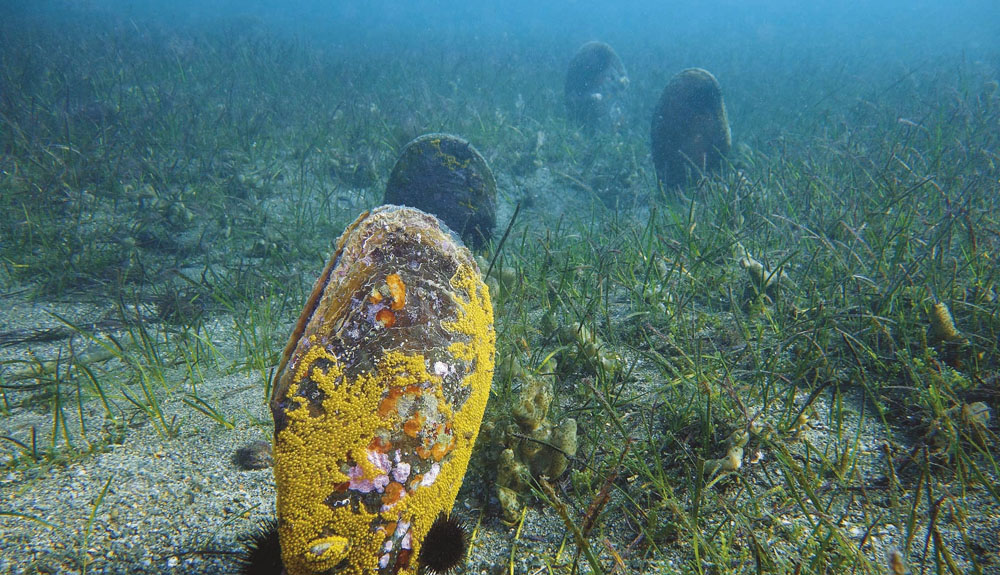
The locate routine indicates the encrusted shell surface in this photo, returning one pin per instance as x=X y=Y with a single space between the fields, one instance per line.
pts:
x=444 y=175
x=690 y=129
x=379 y=397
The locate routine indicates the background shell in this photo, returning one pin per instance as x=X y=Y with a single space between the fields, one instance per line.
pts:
x=595 y=80
x=444 y=175
x=690 y=130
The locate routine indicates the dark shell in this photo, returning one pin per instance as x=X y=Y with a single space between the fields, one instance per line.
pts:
x=445 y=176
x=595 y=81
x=690 y=130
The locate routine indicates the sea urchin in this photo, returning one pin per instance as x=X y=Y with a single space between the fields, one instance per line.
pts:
x=444 y=545
x=261 y=553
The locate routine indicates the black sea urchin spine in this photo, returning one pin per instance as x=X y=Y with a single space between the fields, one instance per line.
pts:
x=261 y=553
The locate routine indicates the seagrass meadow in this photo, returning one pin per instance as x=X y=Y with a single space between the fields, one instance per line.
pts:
x=790 y=365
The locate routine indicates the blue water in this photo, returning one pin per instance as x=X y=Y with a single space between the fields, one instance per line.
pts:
x=880 y=30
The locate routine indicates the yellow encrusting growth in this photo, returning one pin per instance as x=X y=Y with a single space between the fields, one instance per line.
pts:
x=450 y=161
x=305 y=455
x=475 y=319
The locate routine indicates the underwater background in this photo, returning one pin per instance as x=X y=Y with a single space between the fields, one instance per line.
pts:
x=782 y=358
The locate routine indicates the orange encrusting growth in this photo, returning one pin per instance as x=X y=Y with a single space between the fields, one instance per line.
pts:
x=385 y=317
x=388 y=403
x=379 y=445
x=413 y=425
x=397 y=289
x=393 y=493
